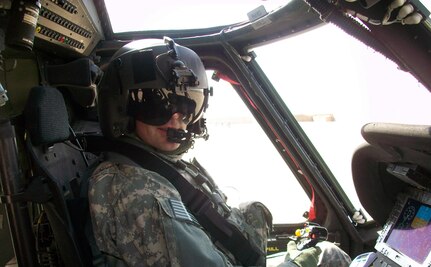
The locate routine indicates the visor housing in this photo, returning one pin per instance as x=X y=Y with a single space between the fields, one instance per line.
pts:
x=156 y=106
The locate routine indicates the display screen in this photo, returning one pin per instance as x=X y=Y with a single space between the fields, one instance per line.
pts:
x=411 y=233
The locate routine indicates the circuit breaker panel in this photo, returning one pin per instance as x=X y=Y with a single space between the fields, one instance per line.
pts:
x=71 y=24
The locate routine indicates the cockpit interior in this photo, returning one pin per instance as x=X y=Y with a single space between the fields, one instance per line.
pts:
x=48 y=138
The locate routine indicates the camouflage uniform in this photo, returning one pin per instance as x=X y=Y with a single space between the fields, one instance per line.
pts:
x=139 y=219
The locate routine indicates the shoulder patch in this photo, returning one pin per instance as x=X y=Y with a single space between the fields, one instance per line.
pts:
x=180 y=211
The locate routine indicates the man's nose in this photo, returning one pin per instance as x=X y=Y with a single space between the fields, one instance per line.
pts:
x=178 y=117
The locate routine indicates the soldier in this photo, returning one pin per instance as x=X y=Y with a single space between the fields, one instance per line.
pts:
x=151 y=100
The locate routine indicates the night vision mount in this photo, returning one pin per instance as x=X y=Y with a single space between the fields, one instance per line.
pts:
x=182 y=76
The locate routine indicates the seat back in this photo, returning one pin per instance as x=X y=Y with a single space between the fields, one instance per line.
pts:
x=60 y=163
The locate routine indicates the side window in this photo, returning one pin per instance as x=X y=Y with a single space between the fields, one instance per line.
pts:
x=243 y=161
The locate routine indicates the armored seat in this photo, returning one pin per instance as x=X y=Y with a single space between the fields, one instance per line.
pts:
x=59 y=167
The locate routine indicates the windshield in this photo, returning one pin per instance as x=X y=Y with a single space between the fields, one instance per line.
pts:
x=333 y=84
x=136 y=15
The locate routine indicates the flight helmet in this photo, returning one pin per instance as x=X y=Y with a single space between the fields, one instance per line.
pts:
x=149 y=80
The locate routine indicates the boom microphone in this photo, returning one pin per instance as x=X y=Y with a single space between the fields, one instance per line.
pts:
x=178 y=136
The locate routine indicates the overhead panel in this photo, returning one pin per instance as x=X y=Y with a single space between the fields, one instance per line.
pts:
x=72 y=24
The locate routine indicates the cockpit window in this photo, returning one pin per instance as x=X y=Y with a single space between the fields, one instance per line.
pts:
x=334 y=85
x=136 y=15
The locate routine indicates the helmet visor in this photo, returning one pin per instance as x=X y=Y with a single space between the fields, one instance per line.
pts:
x=156 y=106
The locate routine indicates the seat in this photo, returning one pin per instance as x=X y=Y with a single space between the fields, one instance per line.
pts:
x=61 y=166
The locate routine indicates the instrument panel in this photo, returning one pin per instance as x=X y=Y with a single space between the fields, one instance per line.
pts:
x=71 y=24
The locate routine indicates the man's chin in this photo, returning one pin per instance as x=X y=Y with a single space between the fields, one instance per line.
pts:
x=169 y=147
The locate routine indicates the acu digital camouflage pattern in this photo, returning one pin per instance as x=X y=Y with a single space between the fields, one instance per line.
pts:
x=133 y=220
x=138 y=220
x=126 y=215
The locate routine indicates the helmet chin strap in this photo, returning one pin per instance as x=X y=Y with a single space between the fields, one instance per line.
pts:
x=178 y=135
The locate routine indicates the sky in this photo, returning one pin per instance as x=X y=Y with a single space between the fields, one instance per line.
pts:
x=133 y=15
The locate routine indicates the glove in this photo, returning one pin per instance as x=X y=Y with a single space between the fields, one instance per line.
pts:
x=308 y=257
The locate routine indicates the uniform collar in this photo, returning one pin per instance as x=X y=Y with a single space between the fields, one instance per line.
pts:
x=136 y=141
